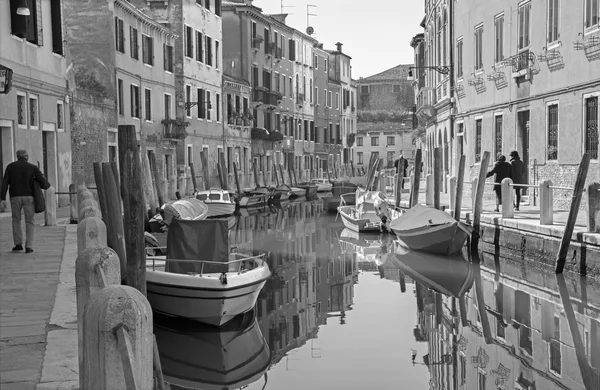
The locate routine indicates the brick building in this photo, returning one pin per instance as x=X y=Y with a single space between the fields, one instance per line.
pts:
x=124 y=77
x=34 y=112
x=517 y=87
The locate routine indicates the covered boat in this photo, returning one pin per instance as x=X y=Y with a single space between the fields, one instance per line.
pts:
x=430 y=230
x=452 y=276
x=370 y=214
x=201 y=278
x=254 y=198
x=218 y=201
x=282 y=193
x=190 y=209
x=194 y=356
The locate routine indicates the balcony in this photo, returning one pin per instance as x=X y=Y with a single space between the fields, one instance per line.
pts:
x=264 y=95
x=256 y=42
x=321 y=148
x=174 y=129
x=271 y=48
x=238 y=121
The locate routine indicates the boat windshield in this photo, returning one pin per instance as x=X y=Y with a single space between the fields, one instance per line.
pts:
x=214 y=197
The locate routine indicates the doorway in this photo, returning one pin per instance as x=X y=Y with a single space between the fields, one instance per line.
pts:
x=7 y=154
x=523 y=126
x=49 y=156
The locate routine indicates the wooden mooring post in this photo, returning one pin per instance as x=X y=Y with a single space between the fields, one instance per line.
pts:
x=414 y=191
x=193 y=174
x=237 y=180
x=114 y=227
x=220 y=175
x=282 y=175
x=224 y=171
x=460 y=179
x=255 y=168
x=594 y=208
x=578 y=190
x=275 y=174
x=478 y=206
x=156 y=177
x=437 y=176
x=205 y=170
x=399 y=181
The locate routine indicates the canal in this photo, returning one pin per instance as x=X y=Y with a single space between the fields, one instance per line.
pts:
x=358 y=312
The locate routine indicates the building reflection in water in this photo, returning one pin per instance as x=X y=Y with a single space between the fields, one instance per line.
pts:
x=515 y=327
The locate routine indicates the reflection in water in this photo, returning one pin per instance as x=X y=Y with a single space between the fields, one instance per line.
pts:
x=477 y=326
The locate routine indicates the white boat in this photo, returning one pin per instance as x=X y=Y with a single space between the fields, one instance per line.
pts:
x=218 y=201
x=370 y=214
x=201 y=278
x=323 y=185
x=297 y=192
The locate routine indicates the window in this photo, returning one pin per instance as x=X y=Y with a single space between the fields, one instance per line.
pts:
x=477 y=140
x=34 y=114
x=217 y=44
x=218 y=7
x=481 y=380
x=27 y=27
x=168 y=56
x=591 y=127
x=208 y=105
x=188 y=98
x=147 y=50
x=218 y=101
x=359 y=156
x=498 y=134
x=21 y=109
x=190 y=155
x=330 y=99
x=267 y=37
x=147 y=104
x=207 y=4
x=459 y=58
x=499 y=33
x=316 y=62
x=317 y=96
x=56 y=19
x=199 y=47
x=167 y=106
x=133 y=43
x=374 y=140
x=554 y=349
x=60 y=115
x=135 y=101
x=592 y=13
x=391 y=140
x=201 y=105
x=553 y=131
x=189 y=42
x=523 y=26
x=120 y=38
x=553 y=19
x=359 y=141
x=209 y=57
x=120 y=96
x=292 y=49
x=479 y=47
x=337 y=100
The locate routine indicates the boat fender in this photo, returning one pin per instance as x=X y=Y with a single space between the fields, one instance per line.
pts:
x=223 y=278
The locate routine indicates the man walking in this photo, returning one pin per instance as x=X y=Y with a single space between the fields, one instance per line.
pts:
x=516 y=170
x=19 y=176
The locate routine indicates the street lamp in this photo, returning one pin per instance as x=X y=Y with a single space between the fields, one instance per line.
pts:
x=439 y=69
x=23 y=10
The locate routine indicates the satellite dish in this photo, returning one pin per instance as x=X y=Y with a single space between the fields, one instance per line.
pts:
x=310 y=30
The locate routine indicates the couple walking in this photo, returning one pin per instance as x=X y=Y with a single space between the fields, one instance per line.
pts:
x=512 y=170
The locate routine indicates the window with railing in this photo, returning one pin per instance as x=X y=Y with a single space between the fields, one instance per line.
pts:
x=479 y=47
x=591 y=127
x=478 y=140
x=552 y=132
x=592 y=14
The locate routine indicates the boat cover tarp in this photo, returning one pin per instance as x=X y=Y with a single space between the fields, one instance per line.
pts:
x=420 y=216
x=365 y=200
x=197 y=240
x=184 y=209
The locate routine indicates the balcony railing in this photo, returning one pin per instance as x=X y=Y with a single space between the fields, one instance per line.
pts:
x=426 y=97
x=264 y=95
x=174 y=129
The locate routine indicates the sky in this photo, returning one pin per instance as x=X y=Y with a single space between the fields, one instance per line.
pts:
x=377 y=37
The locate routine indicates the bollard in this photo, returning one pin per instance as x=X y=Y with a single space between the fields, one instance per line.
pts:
x=91 y=233
x=546 y=203
x=95 y=268
x=90 y=211
x=452 y=190
x=73 y=201
x=87 y=203
x=118 y=341
x=429 y=184
x=50 y=212
x=506 y=192
x=593 y=192
x=474 y=184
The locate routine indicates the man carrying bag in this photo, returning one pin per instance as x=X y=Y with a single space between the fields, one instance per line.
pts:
x=26 y=182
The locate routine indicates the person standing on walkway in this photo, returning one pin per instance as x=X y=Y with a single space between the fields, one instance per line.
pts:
x=516 y=171
x=19 y=176
x=502 y=171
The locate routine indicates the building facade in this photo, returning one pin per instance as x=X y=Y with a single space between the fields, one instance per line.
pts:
x=384 y=125
x=34 y=101
x=517 y=87
x=239 y=120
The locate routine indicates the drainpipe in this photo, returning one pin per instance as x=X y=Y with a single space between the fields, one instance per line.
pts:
x=451 y=80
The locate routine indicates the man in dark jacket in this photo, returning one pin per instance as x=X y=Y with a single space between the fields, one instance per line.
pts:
x=516 y=171
x=502 y=171
x=19 y=176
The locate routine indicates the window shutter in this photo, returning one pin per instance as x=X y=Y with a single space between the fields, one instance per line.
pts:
x=40 y=28
x=116 y=33
x=131 y=99
x=165 y=61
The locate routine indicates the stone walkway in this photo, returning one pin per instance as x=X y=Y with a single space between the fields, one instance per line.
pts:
x=28 y=285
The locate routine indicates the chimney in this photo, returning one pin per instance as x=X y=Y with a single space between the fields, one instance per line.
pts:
x=320 y=46
x=339 y=47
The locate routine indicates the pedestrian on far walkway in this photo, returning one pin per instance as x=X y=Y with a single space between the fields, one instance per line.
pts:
x=517 y=173
x=502 y=171
x=19 y=176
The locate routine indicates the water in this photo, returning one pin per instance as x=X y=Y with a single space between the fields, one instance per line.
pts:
x=350 y=311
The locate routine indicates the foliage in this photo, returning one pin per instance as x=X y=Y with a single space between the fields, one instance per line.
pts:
x=350 y=139
x=383 y=116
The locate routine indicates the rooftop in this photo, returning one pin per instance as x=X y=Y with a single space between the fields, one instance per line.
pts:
x=397 y=73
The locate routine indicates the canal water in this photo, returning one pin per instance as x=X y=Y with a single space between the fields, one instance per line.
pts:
x=350 y=311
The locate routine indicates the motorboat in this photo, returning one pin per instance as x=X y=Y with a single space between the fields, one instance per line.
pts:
x=201 y=277
x=189 y=208
x=323 y=185
x=218 y=201
x=371 y=213
x=282 y=193
x=427 y=229
x=254 y=198
x=452 y=276
x=196 y=356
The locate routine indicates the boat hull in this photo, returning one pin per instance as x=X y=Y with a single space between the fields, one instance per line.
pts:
x=443 y=240
x=367 y=222
x=209 y=305
x=331 y=204
x=218 y=209
x=253 y=201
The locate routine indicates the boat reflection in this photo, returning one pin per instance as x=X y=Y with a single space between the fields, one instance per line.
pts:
x=196 y=356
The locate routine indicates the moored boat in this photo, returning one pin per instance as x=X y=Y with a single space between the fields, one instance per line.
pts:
x=310 y=190
x=371 y=212
x=282 y=193
x=254 y=198
x=189 y=208
x=218 y=201
x=323 y=185
x=430 y=230
x=201 y=278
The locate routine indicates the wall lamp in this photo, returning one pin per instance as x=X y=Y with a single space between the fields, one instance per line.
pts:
x=439 y=69
x=22 y=9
